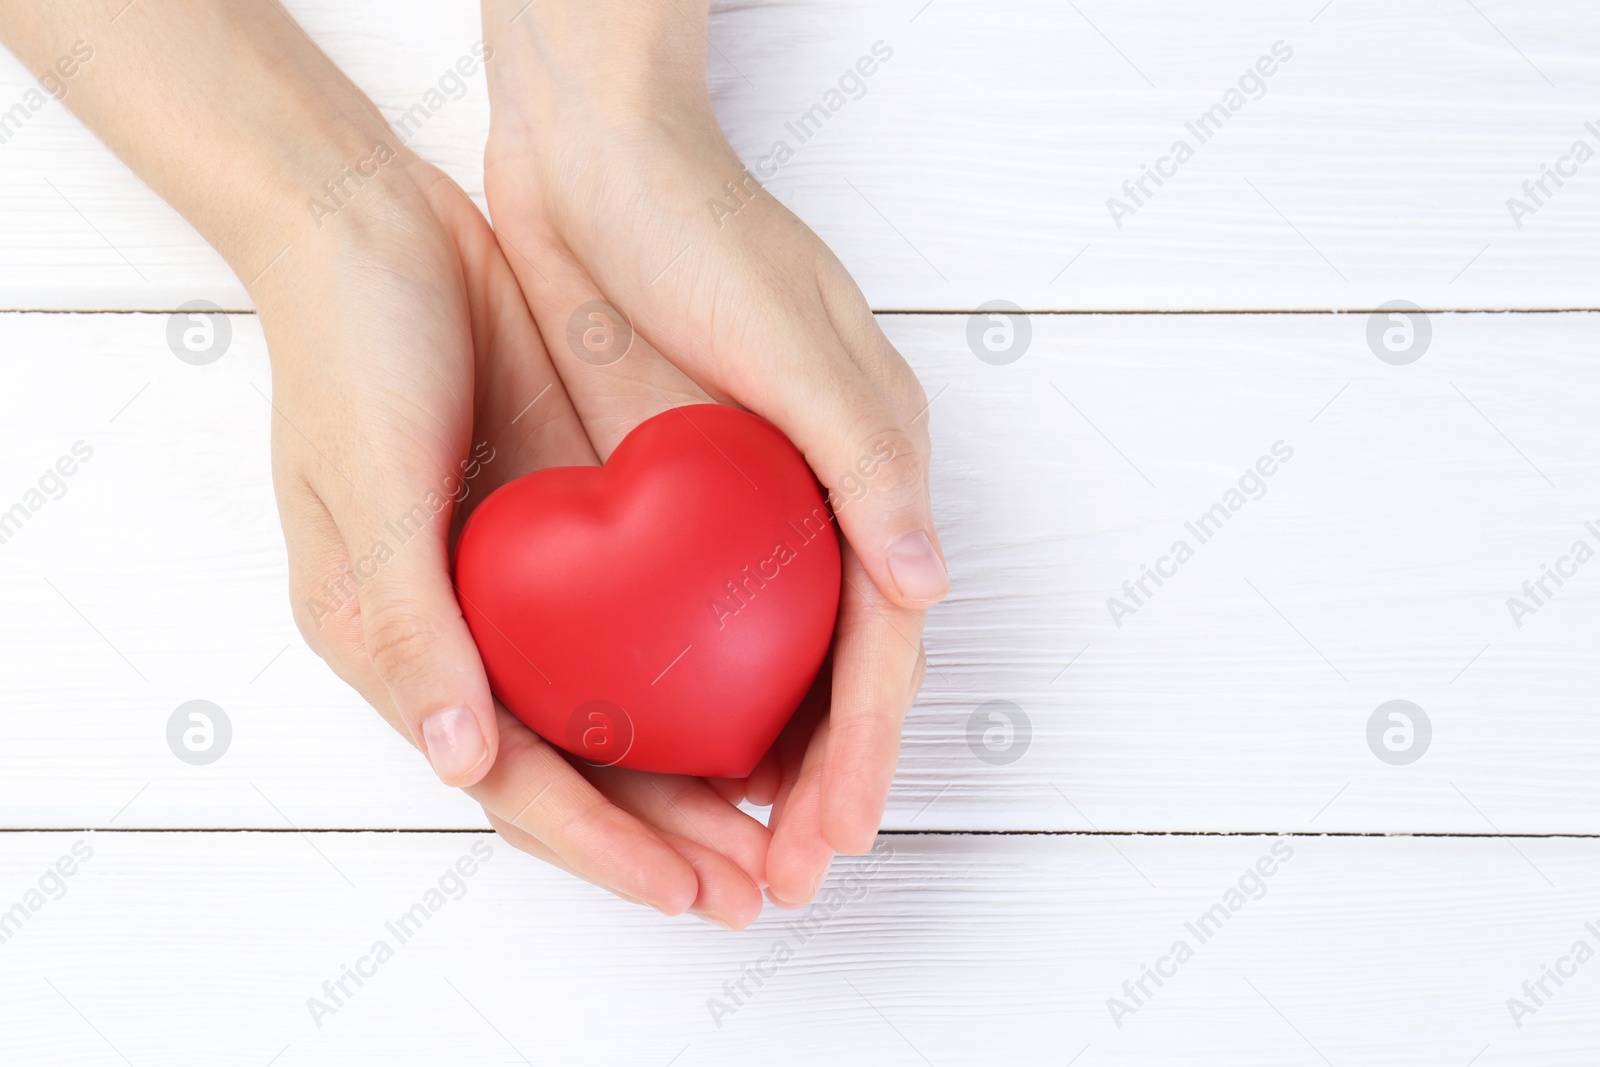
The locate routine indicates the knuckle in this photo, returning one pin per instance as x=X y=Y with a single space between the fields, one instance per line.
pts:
x=398 y=642
x=895 y=465
x=325 y=607
x=518 y=746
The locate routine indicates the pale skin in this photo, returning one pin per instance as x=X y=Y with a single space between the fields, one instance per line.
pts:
x=405 y=333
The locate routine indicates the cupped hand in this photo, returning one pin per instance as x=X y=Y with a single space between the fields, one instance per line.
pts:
x=660 y=273
x=408 y=381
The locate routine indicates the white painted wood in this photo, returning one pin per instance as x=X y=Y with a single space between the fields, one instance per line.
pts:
x=979 y=161
x=976 y=166
x=181 y=949
x=1389 y=544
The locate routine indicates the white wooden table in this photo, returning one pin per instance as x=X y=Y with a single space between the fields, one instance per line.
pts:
x=1209 y=730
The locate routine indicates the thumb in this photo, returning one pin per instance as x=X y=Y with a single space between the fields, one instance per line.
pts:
x=415 y=635
x=869 y=452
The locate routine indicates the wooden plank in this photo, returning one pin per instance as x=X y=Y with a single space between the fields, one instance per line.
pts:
x=1377 y=162
x=942 y=951
x=1376 y=566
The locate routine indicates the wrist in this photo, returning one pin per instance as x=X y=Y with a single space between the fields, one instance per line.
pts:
x=240 y=129
x=605 y=63
x=307 y=187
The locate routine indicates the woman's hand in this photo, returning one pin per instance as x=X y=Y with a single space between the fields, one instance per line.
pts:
x=408 y=379
x=610 y=181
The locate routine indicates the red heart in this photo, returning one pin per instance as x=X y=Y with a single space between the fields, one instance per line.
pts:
x=666 y=612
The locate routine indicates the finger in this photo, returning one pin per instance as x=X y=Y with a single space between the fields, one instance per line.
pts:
x=870 y=453
x=878 y=667
x=782 y=761
x=688 y=808
x=799 y=857
x=728 y=897
x=523 y=841
x=866 y=450
x=529 y=786
x=411 y=623
x=533 y=788
x=726 y=848
x=761 y=787
x=730 y=789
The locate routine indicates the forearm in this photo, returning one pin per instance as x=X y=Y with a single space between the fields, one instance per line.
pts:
x=224 y=107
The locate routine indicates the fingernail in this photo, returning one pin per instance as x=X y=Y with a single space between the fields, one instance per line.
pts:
x=713 y=920
x=455 y=742
x=917 y=569
x=820 y=877
x=779 y=902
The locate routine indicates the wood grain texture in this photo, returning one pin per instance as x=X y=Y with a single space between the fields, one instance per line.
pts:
x=180 y=949
x=1375 y=163
x=1376 y=565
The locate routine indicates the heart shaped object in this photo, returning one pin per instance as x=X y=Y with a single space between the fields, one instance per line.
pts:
x=666 y=612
